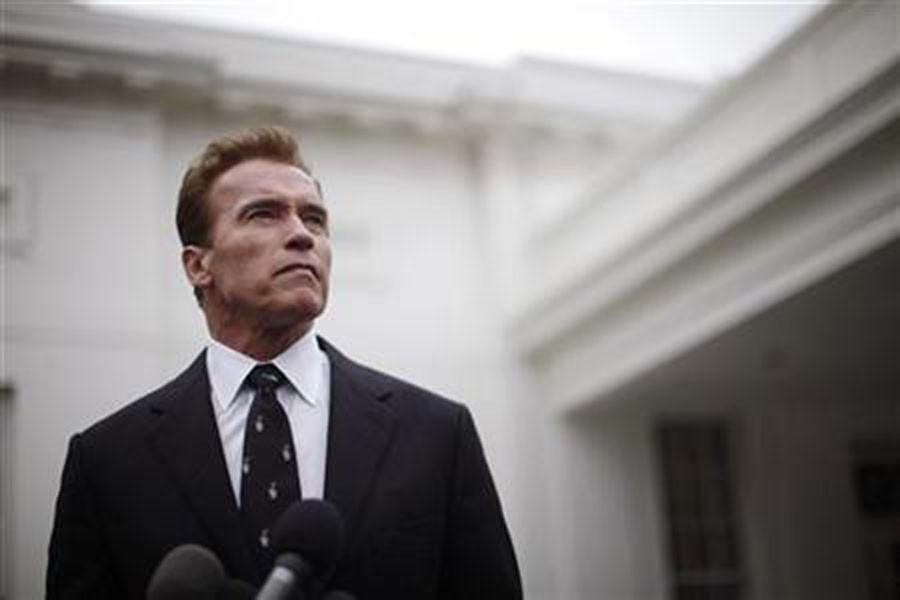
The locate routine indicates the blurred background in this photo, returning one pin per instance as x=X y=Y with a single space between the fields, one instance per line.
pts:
x=655 y=247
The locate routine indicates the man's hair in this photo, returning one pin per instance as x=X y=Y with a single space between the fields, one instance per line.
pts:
x=272 y=143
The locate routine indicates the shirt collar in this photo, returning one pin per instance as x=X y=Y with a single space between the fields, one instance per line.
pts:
x=302 y=364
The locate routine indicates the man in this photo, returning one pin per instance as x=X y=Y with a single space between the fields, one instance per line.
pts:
x=269 y=413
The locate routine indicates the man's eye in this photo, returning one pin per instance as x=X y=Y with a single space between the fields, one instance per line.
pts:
x=261 y=213
x=315 y=220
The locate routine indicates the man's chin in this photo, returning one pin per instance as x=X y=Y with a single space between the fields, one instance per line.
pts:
x=305 y=309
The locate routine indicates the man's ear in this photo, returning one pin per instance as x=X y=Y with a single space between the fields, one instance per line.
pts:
x=195 y=260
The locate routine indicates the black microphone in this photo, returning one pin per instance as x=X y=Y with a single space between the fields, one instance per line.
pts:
x=189 y=572
x=307 y=539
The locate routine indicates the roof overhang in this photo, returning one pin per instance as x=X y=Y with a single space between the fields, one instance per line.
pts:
x=786 y=175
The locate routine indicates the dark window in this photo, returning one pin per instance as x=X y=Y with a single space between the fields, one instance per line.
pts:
x=698 y=488
x=878 y=489
x=6 y=396
x=876 y=477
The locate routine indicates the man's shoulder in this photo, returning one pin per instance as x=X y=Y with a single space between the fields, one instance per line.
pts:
x=136 y=416
x=401 y=395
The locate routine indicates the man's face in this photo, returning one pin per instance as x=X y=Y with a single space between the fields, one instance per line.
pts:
x=269 y=257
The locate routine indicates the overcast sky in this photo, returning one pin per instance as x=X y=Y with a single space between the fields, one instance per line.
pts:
x=698 y=40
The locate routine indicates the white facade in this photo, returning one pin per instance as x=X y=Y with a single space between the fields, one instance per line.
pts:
x=521 y=239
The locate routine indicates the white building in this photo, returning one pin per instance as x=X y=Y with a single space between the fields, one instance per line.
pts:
x=675 y=317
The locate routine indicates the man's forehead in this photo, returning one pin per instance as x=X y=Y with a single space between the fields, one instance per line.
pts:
x=263 y=175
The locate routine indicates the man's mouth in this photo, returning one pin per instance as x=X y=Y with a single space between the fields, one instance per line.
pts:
x=297 y=267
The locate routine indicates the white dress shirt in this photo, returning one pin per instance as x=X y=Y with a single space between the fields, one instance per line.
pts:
x=306 y=402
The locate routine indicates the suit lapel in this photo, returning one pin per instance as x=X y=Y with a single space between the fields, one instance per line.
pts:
x=359 y=432
x=187 y=443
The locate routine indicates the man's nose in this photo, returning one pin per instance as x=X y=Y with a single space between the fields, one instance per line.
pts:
x=299 y=236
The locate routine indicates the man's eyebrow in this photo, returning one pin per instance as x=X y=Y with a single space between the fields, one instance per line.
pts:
x=277 y=202
x=316 y=207
x=260 y=202
x=263 y=200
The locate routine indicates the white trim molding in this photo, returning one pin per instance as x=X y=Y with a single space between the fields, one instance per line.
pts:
x=315 y=81
x=783 y=177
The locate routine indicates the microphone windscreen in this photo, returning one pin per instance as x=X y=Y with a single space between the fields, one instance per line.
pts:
x=312 y=529
x=235 y=589
x=187 y=572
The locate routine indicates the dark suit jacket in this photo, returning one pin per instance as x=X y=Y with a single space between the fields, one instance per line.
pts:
x=405 y=468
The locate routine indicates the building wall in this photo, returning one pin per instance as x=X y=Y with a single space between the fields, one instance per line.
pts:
x=804 y=386
x=798 y=519
x=803 y=524
x=83 y=296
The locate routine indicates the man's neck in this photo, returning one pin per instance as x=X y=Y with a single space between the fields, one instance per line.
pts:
x=259 y=343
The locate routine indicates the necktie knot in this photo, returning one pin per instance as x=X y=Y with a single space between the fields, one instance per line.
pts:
x=266 y=377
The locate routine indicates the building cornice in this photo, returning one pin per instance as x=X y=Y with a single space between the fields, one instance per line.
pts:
x=630 y=275
x=315 y=80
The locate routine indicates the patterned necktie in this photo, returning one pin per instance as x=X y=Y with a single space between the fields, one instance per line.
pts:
x=269 y=481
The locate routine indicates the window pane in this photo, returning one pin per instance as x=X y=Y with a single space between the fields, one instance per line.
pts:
x=698 y=485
